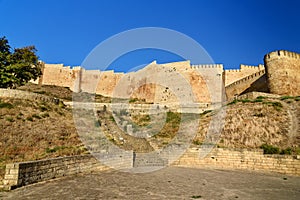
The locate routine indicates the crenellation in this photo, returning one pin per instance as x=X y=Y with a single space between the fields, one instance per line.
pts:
x=208 y=66
x=279 y=54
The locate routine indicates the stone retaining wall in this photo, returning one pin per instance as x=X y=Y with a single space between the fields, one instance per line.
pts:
x=241 y=159
x=25 y=173
x=254 y=95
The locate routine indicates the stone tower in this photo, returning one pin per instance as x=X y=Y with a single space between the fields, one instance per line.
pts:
x=283 y=72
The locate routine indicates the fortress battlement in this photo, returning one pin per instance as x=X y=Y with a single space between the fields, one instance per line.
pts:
x=246 y=67
x=252 y=67
x=233 y=70
x=209 y=66
x=280 y=54
x=77 y=68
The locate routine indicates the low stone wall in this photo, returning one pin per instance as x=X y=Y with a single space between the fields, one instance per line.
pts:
x=19 y=94
x=25 y=173
x=254 y=95
x=241 y=159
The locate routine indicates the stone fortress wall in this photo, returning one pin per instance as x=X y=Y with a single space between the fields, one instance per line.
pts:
x=253 y=82
x=282 y=67
x=232 y=75
x=283 y=72
x=105 y=82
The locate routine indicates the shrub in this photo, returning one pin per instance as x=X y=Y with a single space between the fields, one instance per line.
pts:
x=173 y=117
x=43 y=108
x=55 y=149
x=44 y=115
x=29 y=119
x=276 y=105
x=297 y=150
x=269 y=149
x=133 y=100
x=48 y=150
x=246 y=100
x=111 y=118
x=61 y=104
x=260 y=97
x=206 y=112
x=6 y=105
x=259 y=115
x=258 y=100
x=197 y=142
x=97 y=123
x=141 y=120
x=41 y=92
x=36 y=116
x=286 y=97
x=287 y=151
x=10 y=119
x=233 y=102
x=196 y=196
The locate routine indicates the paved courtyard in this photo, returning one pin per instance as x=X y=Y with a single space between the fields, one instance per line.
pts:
x=168 y=183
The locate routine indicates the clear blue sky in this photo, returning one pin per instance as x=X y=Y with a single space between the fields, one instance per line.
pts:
x=231 y=31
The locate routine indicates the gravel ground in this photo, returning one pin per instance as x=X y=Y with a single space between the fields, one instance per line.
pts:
x=168 y=183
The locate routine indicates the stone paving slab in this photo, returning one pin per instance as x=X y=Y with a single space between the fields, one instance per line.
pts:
x=168 y=183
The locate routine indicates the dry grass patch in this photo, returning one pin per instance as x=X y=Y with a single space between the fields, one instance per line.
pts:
x=32 y=130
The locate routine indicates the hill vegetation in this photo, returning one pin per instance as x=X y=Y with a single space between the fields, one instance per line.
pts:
x=33 y=130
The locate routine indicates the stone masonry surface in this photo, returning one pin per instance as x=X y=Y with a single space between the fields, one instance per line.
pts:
x=241 y=159
x=20 y=174
x=283 y=72
x=25 y=173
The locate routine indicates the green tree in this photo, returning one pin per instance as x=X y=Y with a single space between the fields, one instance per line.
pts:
x=19 y=66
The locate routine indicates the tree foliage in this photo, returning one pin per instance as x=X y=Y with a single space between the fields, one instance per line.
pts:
x=19 y=66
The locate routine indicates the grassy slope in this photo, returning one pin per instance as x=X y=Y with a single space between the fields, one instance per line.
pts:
x=251 y=124
x=32 y=130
